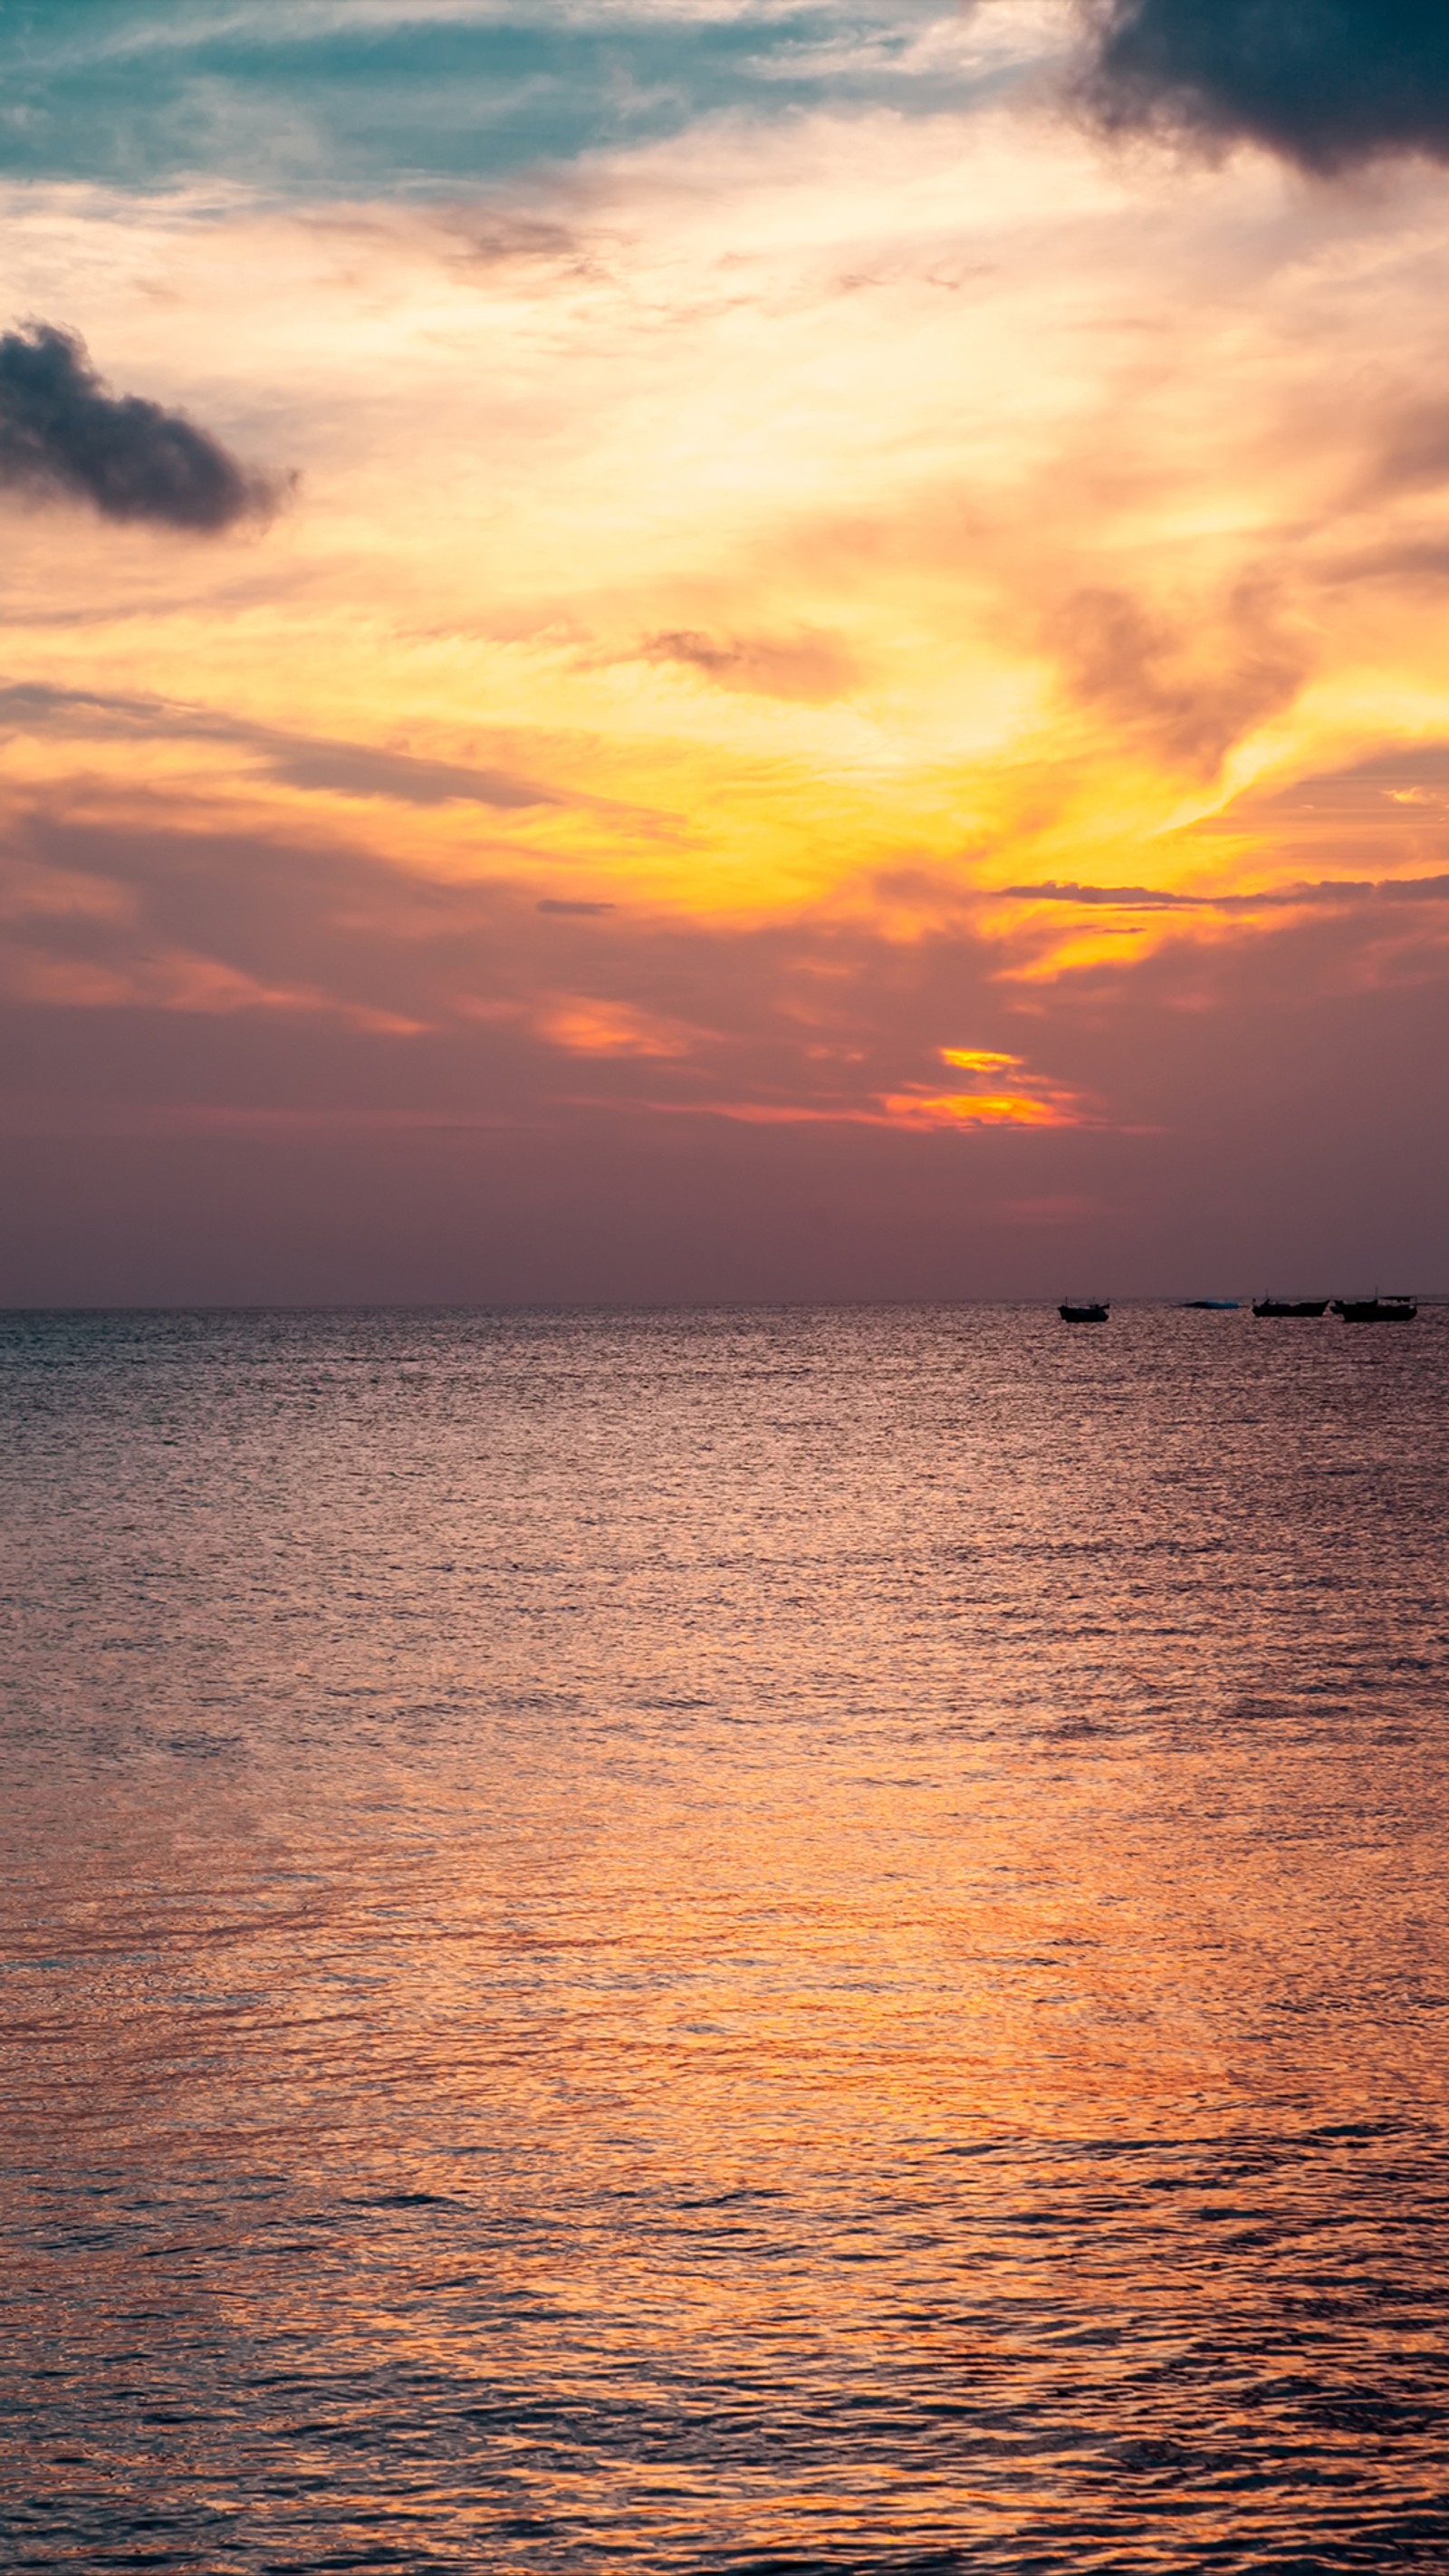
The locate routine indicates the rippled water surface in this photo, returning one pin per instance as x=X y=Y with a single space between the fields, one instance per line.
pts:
x=772 y=1941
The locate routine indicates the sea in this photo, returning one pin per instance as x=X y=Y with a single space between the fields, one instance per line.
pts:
x=724 y=1939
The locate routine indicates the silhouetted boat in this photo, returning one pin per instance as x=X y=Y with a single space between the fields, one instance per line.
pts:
x=1376 y=1310
x=1087 y=1311
x=1280 y=1306
x=1210 y=1305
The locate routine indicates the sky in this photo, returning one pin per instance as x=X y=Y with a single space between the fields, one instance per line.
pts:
x=690 y=649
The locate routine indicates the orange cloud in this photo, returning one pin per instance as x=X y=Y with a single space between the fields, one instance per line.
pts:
x=586 y=1027
x=979 y=1109
x=978 y=1059
x=1032 y=1104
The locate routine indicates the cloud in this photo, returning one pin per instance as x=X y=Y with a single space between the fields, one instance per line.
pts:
x=1074 y=526
x=1330 y=891
x=583 y=1025
x=811 y=668
x=283 y=1065
x=814 y=1018
x=352 y=769
x=1328 y=84
x=63 y=437
x=311 y=762
x=1194 y=698
x=1133 y=898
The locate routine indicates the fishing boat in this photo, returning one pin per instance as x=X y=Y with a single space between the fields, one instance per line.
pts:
x=1086 y=1310
x=1210 y=1305
x=1376 y=1310
x=1278 y=1307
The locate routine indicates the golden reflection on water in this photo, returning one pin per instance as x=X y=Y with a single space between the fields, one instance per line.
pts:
x=804 y=1940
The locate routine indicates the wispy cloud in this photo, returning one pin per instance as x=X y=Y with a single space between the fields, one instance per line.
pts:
x=296 y=759
x=814 y=668
x=1331 y=893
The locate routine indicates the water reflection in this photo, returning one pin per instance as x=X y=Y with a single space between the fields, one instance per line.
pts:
x=809 y=1940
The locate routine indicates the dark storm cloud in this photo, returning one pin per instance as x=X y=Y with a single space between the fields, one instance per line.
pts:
x=65 y=437
x=1325 y=83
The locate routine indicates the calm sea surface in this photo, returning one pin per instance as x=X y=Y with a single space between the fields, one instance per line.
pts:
x=724 y=1940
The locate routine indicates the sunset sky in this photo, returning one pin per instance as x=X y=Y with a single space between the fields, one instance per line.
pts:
x=724 y=649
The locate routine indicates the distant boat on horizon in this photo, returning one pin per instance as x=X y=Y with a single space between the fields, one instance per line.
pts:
x=1085 y=1310
x=1210 y=1305
x=1278 y=1307
x=1376 y=1309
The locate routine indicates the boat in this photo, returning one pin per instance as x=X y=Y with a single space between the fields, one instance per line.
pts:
x=1376 y=1310
x=1084 y=1310
x=1278 y=1307
x=1210 y=1305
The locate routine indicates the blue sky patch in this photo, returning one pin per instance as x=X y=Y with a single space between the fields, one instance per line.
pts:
x=355 y=95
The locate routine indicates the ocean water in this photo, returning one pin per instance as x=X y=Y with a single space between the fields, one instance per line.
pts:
x=804 y=1940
